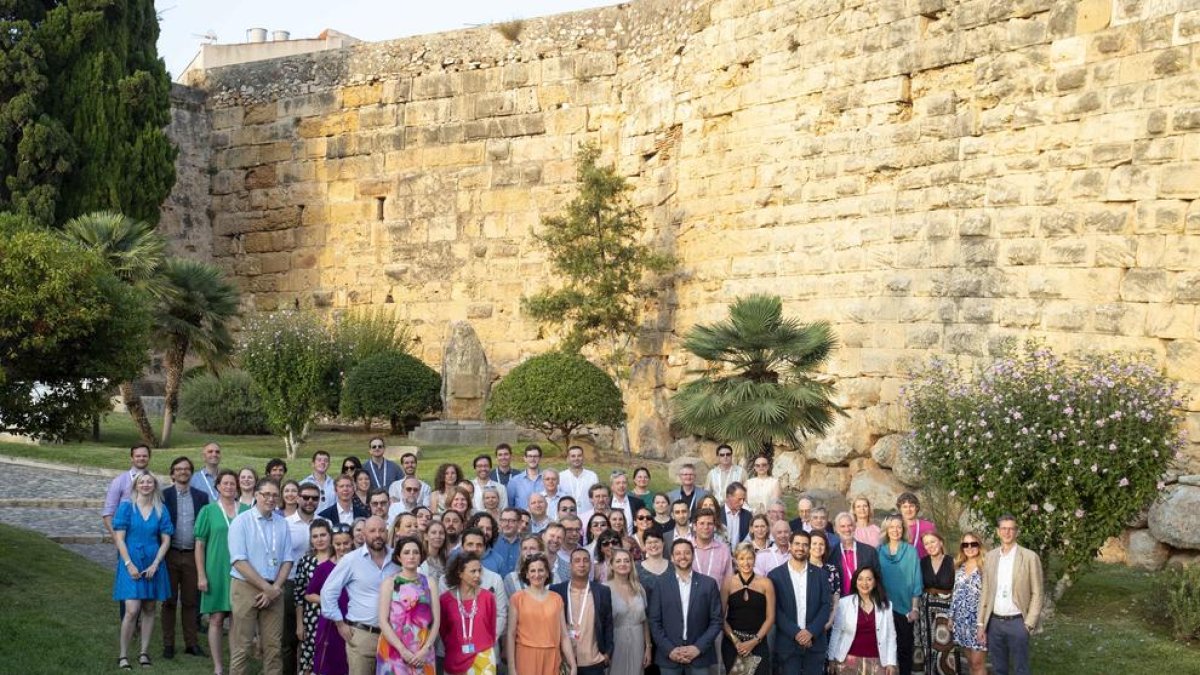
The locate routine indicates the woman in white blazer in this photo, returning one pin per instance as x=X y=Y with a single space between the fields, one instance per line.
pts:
x=852 y=649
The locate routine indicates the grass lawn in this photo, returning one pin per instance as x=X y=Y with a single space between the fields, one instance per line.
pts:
x=117 y=434
x=58 y=618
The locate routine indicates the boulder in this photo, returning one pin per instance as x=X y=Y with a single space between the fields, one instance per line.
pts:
x=847 y=437
x=1114 y=550
x=1175 y=518
x=789 y=468
x=701 y=468
x=466 y=378
x=828 y=478
x=885 y=449
x=1183 y=559
x=877 y=485
x=1145 y=552
x=907 y=466
x=1190 y=479
x=834 y=502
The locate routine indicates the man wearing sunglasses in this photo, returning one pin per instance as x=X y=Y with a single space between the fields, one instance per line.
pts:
x=725 y=473
x=383 y=472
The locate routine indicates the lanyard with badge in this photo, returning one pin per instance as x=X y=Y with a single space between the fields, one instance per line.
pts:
x=577 y=624
x=270 y=547
x=468 y=622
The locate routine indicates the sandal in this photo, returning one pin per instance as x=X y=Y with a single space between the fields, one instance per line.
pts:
x=144 y=660
x=123 y=663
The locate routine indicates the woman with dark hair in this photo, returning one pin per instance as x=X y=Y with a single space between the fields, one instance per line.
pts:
x=468 y=627
x=900 y=572
x=289 y=497
x=641 y=485
x=350 y=465
x=320 y=539
x=914 y=527
x=662 y=510
x=436 y=548
x=357 y=529
x=362 y=488
x=212 y=559
x=760 y=532
x=616 y=522
x=934 y=626
x=329 y=649
x=863 y=641
x=643 y=522
x=409 y=615
x=538 y=640
x=597 y=523
x=445 y=481
x=607 y=542
x=818 y=552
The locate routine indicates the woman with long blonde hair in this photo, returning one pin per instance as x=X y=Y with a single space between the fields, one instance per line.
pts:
x=631 y=630
x=964 y=602
x=865 y=529
x=142 y=530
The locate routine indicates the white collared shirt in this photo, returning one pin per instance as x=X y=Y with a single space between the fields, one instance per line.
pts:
x=577 y=487
x=1003 y=603
x=800 y=588
x=733 y=526
x=685 y=597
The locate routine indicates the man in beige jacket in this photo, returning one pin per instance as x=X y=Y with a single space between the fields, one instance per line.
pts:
x=1010 y=601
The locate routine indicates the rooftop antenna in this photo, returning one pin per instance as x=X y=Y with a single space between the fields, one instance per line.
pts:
x=209 y=37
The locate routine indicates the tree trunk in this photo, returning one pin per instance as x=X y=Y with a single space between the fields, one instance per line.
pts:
x=133 y=403
x=173 y=363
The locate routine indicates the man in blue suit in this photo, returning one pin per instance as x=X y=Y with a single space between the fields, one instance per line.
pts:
x=183 y=505
x=686 y=617
x=803 y=601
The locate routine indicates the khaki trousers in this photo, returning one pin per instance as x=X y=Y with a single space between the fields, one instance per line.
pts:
x=360 y=651
x=247 y=618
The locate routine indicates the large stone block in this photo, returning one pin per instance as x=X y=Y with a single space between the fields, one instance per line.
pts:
x=1143 y=551
x=1175 y=517
x=877 y=485
x=466 y=378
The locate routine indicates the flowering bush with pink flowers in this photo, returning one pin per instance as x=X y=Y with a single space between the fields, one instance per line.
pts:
x=1074 y=448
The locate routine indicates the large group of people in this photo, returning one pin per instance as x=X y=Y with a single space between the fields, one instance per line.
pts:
x=538 y=571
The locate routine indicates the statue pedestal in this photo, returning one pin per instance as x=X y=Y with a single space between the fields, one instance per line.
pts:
x=469 y=432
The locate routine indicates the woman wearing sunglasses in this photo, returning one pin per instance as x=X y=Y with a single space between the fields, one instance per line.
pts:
x=964 y=603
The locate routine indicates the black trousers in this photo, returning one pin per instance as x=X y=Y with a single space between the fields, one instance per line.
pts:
x=904 y=643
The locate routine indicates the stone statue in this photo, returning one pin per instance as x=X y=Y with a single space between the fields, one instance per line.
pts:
x=466 y=378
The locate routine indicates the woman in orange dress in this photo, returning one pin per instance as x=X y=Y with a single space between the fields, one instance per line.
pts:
x=537 y=629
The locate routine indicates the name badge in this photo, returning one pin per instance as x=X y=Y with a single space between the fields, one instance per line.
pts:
x=574 y=634
x=468 y=649
x=273 y=562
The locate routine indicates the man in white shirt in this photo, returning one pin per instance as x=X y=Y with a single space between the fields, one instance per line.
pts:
x=409 y=497
x=770 y=558
x=621 y=499
x=344 y=510
x=321 y=478
x=685 y=617
x=408 y=464
x=735 y=518
x=576 y=480
x=551 y=490
x=1010 y=601
x=361 y=573
x=483 y=479
x=725 y=472
x=803 y=602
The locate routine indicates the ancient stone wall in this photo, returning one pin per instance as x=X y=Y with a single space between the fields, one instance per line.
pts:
x=185 y=220
x=931 y=176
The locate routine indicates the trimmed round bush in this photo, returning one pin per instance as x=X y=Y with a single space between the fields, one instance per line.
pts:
x=391 y=385
x=222 y=405
x=557 y=393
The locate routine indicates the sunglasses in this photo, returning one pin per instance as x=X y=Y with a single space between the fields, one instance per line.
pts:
x=969 y=544
x=341 y=529
x=412 y=489
x=606 y=543
x=724 y=454
x=644 y=518
x=310 y=498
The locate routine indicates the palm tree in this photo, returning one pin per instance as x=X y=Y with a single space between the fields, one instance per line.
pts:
x=758 y=386
x=136 y=253
x=194 y=317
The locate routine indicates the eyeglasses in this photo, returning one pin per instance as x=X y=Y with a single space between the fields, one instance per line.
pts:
x=269 y=495
x=724 y=454
x=969 y=544
x=411 y=489
x=606 y=543
x=310 y=498
x=376 y=446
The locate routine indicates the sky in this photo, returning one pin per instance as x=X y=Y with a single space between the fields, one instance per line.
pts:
x=183 y=22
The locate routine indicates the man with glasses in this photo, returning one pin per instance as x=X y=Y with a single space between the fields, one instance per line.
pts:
x=398 y=493
x=725 y=472
x=378 y=503
x=507 y=546
x=360 y=573
x=483 y=480
x=776 y=512
x=572 y=539
x=552 y=492
x=687 y=490
x=383 y=472
x=528 y=482
x=1010 y=601
x=321 y=478
x=183 y=504
x=566 y=507
x=576 y=480
x=260 y=548
x=621 y=499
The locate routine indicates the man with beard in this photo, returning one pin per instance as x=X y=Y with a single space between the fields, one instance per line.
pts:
x=685 y=617
x=361 y=574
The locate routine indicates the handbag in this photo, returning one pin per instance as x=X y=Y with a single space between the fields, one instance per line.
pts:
x=744 y=665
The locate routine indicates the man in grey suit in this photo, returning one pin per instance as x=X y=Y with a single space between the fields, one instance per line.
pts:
x=803 y=601
x=685 y=617
x=687 y=490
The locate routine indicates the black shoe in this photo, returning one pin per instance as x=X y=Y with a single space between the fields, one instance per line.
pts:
x=195 y=650
x=169 y=652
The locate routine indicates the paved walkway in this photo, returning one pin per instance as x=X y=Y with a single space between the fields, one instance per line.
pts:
x=61 y=504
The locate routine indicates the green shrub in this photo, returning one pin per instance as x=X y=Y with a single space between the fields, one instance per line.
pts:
x=393 y=386
x=1074 y=448
x=222 y=405
x=1183 y=601
x=556 y=392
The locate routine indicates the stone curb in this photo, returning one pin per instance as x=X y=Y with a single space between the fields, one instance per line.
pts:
x=51 y=503
x=80 y=539
x=53 y=466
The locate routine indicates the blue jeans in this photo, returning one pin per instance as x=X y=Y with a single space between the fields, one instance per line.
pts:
x=1008 y=645
x=685 y=670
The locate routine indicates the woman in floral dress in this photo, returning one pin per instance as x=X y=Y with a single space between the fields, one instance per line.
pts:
x=409 y=615
x=964 y=603
x=320 y=539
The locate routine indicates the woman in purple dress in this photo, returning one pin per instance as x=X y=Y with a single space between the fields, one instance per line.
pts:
x=329 y=657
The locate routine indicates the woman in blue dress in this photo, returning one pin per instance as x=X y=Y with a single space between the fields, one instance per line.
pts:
x=142 y=530
x=964 y=603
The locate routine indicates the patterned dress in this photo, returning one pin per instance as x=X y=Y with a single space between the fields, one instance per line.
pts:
x=312 y=611
x=410 y=616
x=964 y=607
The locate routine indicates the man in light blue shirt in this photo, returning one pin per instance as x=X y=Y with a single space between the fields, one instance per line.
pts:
x=530 y=481
x=361 y=573
x=260 y=548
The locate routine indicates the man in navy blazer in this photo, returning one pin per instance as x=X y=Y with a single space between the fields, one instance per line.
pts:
x=734 y=513
x=344 y=510
x=181 y=559
x=576 y=591
x=800 y=641
x=848 y=553
x=685 y=634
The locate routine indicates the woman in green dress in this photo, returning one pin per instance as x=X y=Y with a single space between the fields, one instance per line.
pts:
x=212 y=559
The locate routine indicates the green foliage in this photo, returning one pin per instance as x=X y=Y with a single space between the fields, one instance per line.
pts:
x=391 y=385
x=364 y=333
x=69 y=330
x=84 y=99
x=1073 y=448
x=595 y=250
x=290 y=355
x=223 y=405
x=758 y=386
x=556 y=392
x=1183 y=601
